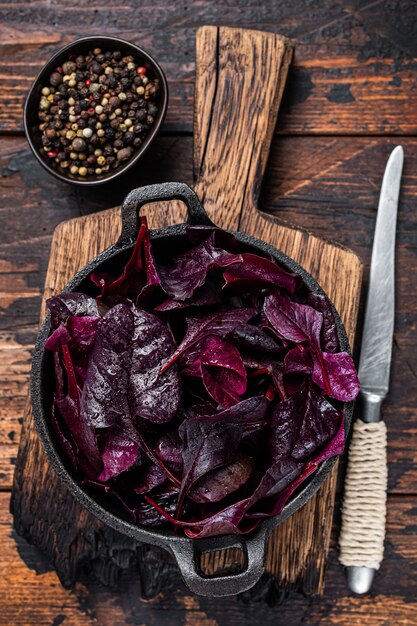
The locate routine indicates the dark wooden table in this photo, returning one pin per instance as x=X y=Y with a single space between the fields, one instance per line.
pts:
x=351 y=97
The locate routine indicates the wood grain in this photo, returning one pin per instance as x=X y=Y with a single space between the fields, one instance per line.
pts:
x=31 y=594
x=353 y=73
x=329 y=186
x=229 y=186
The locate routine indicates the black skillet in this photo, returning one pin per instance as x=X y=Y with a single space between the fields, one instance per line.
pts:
x=186 y=551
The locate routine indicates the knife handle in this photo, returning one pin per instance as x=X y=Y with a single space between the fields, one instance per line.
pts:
x=364 y=505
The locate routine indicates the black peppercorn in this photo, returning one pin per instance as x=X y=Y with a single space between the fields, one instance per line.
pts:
x=129 y=137
x=55 y=79
x=97 y=68
x=152 y=110
x=109 y=133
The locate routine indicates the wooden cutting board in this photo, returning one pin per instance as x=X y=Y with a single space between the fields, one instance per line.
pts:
x=240 y=77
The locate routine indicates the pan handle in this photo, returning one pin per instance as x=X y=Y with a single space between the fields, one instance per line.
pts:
x=137 y=198
x=188 y=555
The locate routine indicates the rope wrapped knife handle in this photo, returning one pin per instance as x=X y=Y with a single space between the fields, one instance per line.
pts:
x=364 y=505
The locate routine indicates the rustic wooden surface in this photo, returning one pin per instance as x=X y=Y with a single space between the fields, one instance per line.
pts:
x=231 y=146
x=329 y=185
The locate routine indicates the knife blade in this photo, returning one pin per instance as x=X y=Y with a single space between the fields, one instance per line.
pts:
x=378 y=331
x=364 y=507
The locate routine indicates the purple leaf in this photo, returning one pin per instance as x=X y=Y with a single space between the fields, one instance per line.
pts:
x=219 y=323
x=169 y=447
x=118 y=453
x=222 y=238
x=277 y=373
x=64 y=441
x=147 y=514
x=253 y=339
x=257 y=273
x=104 y=396
x=208 y=294
x=153 y=395
x=342 y=379
x=151 y=476
x=328 y=335
x=70 y=303
x=60 y=337
x=139 y=438
x=298 y=361
x=216 y=433
x=132 y=279
x=68 y=404
x=221 y=482
x=245 y=414
x=301 y=424
x=293 y=321
x=219 y=385
x=153 y=281
x=225 y=521
x=221 y=369
x=187 y=271
x=207 y=446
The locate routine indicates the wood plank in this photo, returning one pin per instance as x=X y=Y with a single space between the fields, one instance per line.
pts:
x=27 y=219
x=330 y=186
x=32 y=594
x=353 y=72
x=230 y=153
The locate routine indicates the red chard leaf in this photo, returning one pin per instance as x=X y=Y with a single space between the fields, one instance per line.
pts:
x=104 y=396
x=118 y=453
x=221 y=482
x=255 y=273
x=188 y=270
x=341 y=380
x=219 y=323
x=328 y=335
x=153 y=395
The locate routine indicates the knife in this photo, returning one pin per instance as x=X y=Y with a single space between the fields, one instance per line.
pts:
x=364 y=506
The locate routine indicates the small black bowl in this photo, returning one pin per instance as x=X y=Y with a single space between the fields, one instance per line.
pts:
x=82 y=46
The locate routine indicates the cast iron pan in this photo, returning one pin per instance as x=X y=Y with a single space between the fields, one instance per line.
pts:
x=187 y=552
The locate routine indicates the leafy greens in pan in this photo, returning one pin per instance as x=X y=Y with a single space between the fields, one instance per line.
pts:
x=200 y=393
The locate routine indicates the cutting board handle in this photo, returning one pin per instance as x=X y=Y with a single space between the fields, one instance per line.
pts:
x=240 y=78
